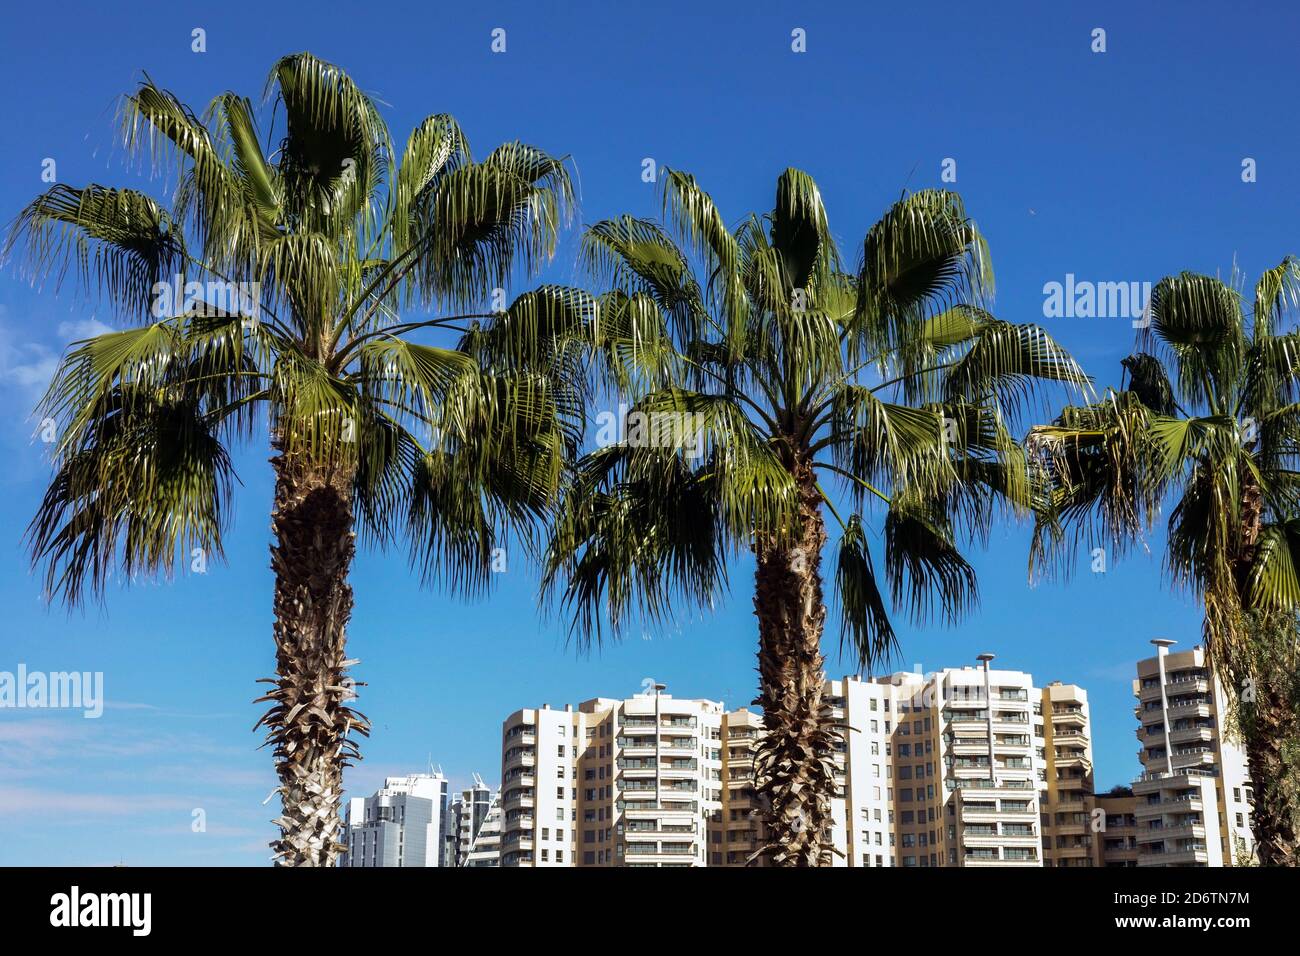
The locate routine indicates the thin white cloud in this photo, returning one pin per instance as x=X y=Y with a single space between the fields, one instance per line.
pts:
x=45 y=801
x=27 y=365
x=80 y=329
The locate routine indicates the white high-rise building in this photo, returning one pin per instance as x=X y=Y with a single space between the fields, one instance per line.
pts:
x=632 y=782
x=1194 y=798
x=944 y=769
x=402 y=824
x=465 y=816
x=485 y=849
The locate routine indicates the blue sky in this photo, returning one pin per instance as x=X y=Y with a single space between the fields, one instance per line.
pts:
x=1121 y=166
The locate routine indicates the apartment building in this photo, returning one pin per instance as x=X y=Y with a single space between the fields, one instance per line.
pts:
x=485 y=849
x=966 y=766
x=988 y=736
x=631 y=782
x=1194 y=795
x=1115 y=828
x=401 y=824
x=465 y=817
x=1069 y=825
x=734 y=837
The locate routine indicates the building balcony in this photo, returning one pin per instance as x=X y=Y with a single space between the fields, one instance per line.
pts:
x=1188 y=735
x=977 y=841
x=1177 y=832
x=1071 y=829
x=637 y=720
x=1069 y=719
x=1196 y=758
x=526 y=758
x=680 y=744
x=636 y=808
x=1189 y=708
x=1006 y=724
x=1197 y=857
x=979 y=861
x=680 y=768
x=678 y=723
x=1146 y=812
x=1022 y=841
x=517 y=801
x=1069 y=735
x=987 y=815
x=658 y=828
x=643 y=850
x=1149 y=692
x=1186 y=685
x=1073 y=758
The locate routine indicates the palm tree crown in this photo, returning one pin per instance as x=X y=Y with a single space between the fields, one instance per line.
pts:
x=792 y=377
x=316 y=248
x=1209 y=418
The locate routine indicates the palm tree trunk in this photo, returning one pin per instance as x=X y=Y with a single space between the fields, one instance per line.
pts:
x=1266 y=716
x=1271 y=722
x=310 y=723
x=794 y=764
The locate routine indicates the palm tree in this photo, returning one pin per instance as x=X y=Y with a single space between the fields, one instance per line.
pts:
x=303 y=258
x=1209 y=417
x=754 y=389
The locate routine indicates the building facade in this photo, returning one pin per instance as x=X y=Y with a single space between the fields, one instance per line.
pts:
x=1116 y=836
x=1194 y=795
x=973 y=766
x=485 y=849
x=962 y=767
x=402 y=824
x=631 y=782
x=466 y=814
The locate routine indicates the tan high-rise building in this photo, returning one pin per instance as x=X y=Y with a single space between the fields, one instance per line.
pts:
x=1063 y=720
x=963 y=767
x=734 y=838
x=1116 y=837
x=1194 y=796
x=633 y=782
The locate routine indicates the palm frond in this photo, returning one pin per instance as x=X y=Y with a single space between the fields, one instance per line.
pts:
x=923 y=256
x=926 y=572
x=145 y=482
x=120 y=243
x=864 y=619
